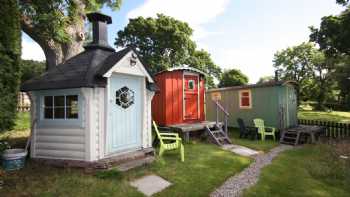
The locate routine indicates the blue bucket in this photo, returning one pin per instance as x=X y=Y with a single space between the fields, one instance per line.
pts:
x=13 y=159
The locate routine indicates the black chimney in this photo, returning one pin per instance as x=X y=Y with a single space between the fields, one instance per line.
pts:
x=276 y=75
x=99 y=31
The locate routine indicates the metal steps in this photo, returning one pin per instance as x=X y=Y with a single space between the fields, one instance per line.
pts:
x=218 y=136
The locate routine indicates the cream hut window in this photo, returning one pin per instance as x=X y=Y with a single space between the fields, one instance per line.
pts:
x=245 y=99
x=61 y=107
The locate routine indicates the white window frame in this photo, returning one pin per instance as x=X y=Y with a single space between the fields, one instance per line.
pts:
x=250 y=99
x=53 y=107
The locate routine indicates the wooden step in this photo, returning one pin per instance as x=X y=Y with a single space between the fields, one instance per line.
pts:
x=292 y=138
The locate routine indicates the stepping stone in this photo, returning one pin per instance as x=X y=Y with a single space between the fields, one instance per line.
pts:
x=150 y=184
x=240 y=150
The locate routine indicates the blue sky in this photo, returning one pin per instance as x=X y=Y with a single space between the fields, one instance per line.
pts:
x=238 y=33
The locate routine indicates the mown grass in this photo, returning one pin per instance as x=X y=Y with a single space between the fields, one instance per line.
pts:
x=206 y=167
x=19 y=134
x=312 y=170
x=259 y=145
x=336 y=116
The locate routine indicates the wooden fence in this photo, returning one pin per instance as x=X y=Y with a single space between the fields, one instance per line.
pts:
x=333 y=129
x=23 y=108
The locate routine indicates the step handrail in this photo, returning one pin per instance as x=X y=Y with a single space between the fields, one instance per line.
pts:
x=219 y=106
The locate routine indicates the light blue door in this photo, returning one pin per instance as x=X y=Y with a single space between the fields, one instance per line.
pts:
x=124 y=113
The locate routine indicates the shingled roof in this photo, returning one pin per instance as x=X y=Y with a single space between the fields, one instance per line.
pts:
x=83 y=70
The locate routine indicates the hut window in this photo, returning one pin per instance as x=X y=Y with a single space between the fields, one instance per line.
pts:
x=245 y=99
x=191 y=84
x=61 y=107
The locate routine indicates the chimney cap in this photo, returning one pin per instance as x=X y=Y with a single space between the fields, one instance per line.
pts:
x=96 y=16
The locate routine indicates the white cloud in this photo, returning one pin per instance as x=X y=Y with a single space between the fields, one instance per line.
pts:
x=195 y=12
x=254 y=62
x=31 y=50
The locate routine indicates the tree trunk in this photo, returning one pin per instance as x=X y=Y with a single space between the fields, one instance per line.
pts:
x=58 y=52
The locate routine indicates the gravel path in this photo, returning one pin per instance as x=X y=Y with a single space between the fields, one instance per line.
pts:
x=249 y=176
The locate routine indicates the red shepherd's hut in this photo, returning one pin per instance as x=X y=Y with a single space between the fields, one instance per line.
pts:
x=180 y=98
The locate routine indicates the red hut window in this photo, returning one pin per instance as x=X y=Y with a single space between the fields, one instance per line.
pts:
x=245 y=99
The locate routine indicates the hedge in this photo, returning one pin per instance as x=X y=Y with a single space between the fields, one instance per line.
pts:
x=10 y=53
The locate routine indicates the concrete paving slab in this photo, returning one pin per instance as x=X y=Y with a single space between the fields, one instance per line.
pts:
x=150 y=184
x=240 y=150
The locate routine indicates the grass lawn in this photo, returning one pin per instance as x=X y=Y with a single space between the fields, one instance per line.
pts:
x=312 y=170
x=206 y=167
x=336 y=116
x=259 y=145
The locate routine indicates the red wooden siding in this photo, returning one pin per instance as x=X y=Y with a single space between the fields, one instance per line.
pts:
x=167 y=104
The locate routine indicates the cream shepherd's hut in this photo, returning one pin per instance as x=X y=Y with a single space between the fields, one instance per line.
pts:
x=94 y=106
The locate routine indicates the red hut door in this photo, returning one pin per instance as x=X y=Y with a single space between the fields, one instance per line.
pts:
x=191 y=97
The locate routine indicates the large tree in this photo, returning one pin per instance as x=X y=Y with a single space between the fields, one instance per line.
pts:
x=58 y=25
x=201 y=60
x=333 y=37
x=333 y=34
x=10 y=53
x=164 y=42
x=232 y=77
x=302 y=63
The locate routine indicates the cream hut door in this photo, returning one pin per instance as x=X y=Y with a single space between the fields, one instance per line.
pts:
x=124 y=128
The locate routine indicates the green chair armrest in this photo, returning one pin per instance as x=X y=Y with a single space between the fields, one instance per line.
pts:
x=171 y=138
x=169 y=134
x=271 y=128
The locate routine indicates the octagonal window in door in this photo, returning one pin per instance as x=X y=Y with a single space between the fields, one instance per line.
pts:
x=124 y=97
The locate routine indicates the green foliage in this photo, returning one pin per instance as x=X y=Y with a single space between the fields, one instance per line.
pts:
x=343 y=2
x=265 y=79
x=164 y=42
x=333 y=34
x=31 y=69
x=232 y=77
x=310 y=68
x=10 y=52
x=201 y=60
x=333 y=37
x=49 y=19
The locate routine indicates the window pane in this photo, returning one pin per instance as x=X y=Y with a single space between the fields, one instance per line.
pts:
x=72 y=107
x=48 y=113
x=59 y=101
x=245 y=93
x=72 y=113
x=48 y=101
x=245 y=101
x=59 y=112
x=72 y=100
x=191 y=84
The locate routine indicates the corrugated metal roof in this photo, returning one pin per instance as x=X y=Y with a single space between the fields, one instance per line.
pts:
x=185 y=67
x=258 y=85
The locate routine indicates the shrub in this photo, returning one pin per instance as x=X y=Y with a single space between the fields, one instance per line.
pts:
x=10 y=52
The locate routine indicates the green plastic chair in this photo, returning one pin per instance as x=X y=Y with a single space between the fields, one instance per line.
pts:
x=169 y=141
x=264 y=130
